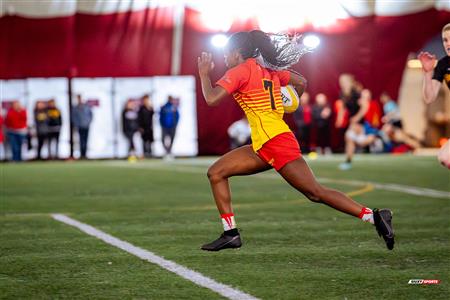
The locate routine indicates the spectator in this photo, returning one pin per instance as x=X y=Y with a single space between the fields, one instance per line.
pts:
x=145 y=119
x=391 y=111
x=168 y=118
x=16 y=126
x=396 y=140
x=54 y=127
x=369 y=118
x=82 y=118
x=2 y=138
x=374 y=112
x=321 y=115
x=345 y=107
x=303 y=120
x=239 y=133
x=341 y=119
x=41 y=125
x=363 y=103
x=130 y=125
x=349 y=94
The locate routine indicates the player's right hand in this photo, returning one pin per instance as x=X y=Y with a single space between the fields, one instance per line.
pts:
x=427 y=60
x=205 y=63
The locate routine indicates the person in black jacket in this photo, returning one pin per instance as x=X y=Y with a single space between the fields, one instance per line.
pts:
x=130 y=124
x=54 y=127
x=41 y=125
x=303 y=121
x=321 y=113
x=145 y=120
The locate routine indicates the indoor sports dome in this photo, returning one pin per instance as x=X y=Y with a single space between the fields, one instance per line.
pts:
x=112 y=52
x=234 y=149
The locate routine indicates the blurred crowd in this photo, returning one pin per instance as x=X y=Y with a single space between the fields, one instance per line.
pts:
x=357 y=121
x=137 y=117
x=353 y=123
x=42 y=130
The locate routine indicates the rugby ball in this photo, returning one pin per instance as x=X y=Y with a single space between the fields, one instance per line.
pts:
x=290 y=98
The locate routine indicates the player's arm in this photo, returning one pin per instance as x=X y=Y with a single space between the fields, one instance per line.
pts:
x=298 y=82
x=430 y=87
x=213 y=95
x=363 y=109
x=340 y=113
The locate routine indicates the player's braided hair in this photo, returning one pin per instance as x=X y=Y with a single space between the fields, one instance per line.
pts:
x=273 y=51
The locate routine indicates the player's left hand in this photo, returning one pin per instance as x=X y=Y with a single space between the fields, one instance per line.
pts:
x=427 y=60
x=205 y=64
x=444 y=155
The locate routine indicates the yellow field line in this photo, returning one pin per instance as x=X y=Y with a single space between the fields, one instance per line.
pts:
x=367 y=188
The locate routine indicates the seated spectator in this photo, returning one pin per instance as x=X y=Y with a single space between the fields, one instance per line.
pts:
x=396 y=140
x=391 y=111
x=239 y=133
x=321 y=113
x=16 y=128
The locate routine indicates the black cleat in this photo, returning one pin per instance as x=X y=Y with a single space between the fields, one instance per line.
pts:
x=223 y=242
x=383 y=224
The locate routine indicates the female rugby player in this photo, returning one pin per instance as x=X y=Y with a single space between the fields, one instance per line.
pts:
x=432 y=81
x=255 y=74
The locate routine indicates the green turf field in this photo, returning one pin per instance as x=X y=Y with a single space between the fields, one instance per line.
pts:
x=293 y=249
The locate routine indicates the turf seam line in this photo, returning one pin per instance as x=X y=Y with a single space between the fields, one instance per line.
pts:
x=391 y=187
x=193 y=276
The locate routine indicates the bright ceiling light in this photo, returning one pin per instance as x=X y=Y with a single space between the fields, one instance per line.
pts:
x=219 y=40
x=311 y=41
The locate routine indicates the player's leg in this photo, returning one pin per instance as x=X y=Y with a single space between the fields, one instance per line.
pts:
x=240 y=161
x=350 y=148
x=298 y=174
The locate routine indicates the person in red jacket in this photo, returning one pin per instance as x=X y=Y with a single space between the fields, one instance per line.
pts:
x=16 y=128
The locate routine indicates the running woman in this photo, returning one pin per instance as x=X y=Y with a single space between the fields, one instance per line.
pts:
x=432 y=80
x=256 y=70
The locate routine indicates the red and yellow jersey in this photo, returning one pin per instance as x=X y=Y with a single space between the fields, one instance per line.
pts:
x=258 y=91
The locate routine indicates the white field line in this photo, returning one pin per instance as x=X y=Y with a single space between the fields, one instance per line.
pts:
x=392 y=187
x=193 y=276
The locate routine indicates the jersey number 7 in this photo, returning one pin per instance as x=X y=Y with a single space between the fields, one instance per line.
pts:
x=268 y=86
